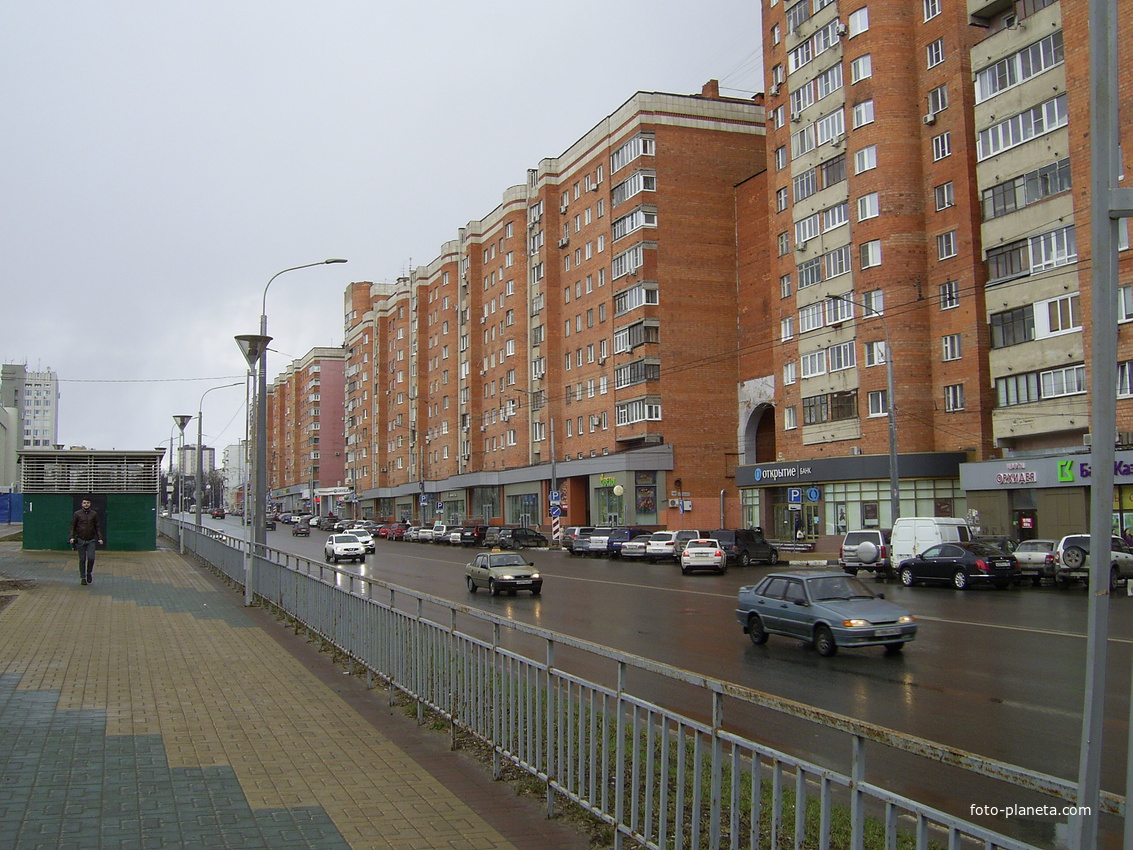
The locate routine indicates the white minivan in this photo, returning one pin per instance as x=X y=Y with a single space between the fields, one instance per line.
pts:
x=911 y=535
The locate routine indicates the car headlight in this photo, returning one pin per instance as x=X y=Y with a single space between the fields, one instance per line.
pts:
x=905 y=619
x=855 y=624
x=506 y=577
x=535 y=575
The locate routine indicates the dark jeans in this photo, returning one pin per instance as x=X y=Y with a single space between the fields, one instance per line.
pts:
x=86 y=550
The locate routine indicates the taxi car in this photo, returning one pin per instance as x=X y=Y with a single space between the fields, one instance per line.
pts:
x=825 y=608
x=503 y=571
x=703 y=554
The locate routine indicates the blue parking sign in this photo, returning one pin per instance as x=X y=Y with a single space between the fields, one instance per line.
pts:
x=794 y=494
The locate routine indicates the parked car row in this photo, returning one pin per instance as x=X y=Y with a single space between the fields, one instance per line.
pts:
x=738 y=546
x=942 y=550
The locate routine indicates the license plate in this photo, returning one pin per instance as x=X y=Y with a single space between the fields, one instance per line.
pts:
x=522 y=583
x=886 y=632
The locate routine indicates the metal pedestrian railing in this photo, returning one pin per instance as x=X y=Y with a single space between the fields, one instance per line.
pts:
x=659 y=775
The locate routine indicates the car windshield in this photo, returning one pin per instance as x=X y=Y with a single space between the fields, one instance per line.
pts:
x=662 y=537
x=838 y=587
x=343 y=538
x=984 y=549
x=1036 y=546
x=508 y=561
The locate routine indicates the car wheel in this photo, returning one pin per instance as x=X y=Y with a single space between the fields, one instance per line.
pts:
x=1036 y=581
x=535 y=591
x=773 y=558
x=326 y=556
x=907 y=577
x=684 y=571
x=334 y=558
x=893 y=648
x=890 y=573
x=723 y=568
x=824 y=642
x=745 y=560
x=1074 y=557
x=492 y=589
x=1114 y=579
x=960 y=580
x=755 y=630
x=471 y=584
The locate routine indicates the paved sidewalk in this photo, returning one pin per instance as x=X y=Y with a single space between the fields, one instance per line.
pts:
x=152 y=710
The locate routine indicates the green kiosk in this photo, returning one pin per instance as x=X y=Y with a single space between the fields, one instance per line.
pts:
x=122 y=486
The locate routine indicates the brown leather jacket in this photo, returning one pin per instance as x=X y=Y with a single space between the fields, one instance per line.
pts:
x=84 y=525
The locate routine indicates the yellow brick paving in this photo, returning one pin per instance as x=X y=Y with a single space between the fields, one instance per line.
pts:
x=223 y=695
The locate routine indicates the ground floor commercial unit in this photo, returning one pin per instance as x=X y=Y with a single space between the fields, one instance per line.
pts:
x=817 y=501
x=1044 y=496
x=625 y=488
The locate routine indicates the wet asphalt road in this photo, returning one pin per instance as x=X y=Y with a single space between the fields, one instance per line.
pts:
x=997 y=673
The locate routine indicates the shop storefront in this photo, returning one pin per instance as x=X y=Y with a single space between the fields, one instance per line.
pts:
x=523 y=504
x=812 y=500
x=1047 y=497
x=627 y=497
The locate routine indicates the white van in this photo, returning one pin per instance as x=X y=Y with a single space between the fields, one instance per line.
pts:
x=911 y=535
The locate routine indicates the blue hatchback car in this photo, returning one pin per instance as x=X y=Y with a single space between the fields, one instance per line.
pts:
x=828 y=609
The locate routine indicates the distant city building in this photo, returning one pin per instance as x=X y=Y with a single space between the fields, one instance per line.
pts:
x=188 y=459
x=234 y=468
x=35 y=396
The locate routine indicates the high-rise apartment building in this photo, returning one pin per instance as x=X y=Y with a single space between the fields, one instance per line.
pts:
x=582 y=335
x=306 y=446
x=35 y=395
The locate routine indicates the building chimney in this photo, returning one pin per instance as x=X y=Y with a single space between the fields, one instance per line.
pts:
x=711 y=89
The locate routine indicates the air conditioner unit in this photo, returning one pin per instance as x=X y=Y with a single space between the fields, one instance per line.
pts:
x=800 y=246
x=564 y=241
x=836 y=142
x=601 y=361
x=774 y=89
x=930 y=118
x=841 y=29
x=594 y=188
x=855 y=450
x=466 y=456
x=483 y=371
x=563 y=209
x=384 y=469
x=674 y=503
x=795 y=119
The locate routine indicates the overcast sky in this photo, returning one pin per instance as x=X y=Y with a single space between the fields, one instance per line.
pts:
x=161 y=161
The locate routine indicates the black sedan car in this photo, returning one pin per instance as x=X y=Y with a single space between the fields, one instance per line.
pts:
x=960 y=565
x=520 y=538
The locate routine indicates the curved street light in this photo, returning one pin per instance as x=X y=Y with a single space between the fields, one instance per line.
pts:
x=197 y=489
x=259 y=463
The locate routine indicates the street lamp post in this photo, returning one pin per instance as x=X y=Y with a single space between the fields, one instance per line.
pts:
x=197 y=484
x=891 y=410
x=181 y=420
x=250 y=346
x=259 y=533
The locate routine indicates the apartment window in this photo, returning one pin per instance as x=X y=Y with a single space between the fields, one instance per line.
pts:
x=1027 y=125
x=949 y=295
x=1026 y=189
x=837 y=262
x=800 y=56
x=871 y=254
x=790 y=372
x=874 y=353
x=790 y=418
x=802 y=141
x=938 y=99
x=1005 y=262
x=865 y=159
x=1012 y=327
x=868 y=206
x=879 y=403
x=1125 y=378
x=950 y=347
x=931 y=9
x=830 y=127
x=945 y=196
x=861 y=69
x=810 y=318
x=805 y=184
x=1017 y=389
x=954 y=397
x=839 y=308
x=841 y=357
x=801 y=98
x=935 y=53
x=1062 y=382
x=782 y=201
x=810 y=272
x=1053 y=249
x=814 y=364
x=833 y=171
x=784 y=243
x=797 y=14
x=780 y=157
x=1019 y=67
x=641 y=145
x=1061 y=315
x=816 y=410
x=1125 y=303
x=941 y=146
x=785 y=286
x=946 y=245
x=859 y=21
x=776 y=34
x=787 y=328
x=828 y=82
x=779 y=117
x=863 y=113
x=807 y=228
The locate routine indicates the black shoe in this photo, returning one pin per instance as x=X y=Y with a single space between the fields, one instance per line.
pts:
x=90 y=579
x=84 y=581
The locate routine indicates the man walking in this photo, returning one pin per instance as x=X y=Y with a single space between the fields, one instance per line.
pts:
x=86 y=534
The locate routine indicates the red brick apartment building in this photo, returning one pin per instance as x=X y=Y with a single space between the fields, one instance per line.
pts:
x=581 y=334
x=306 y=445
x=922 y=224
